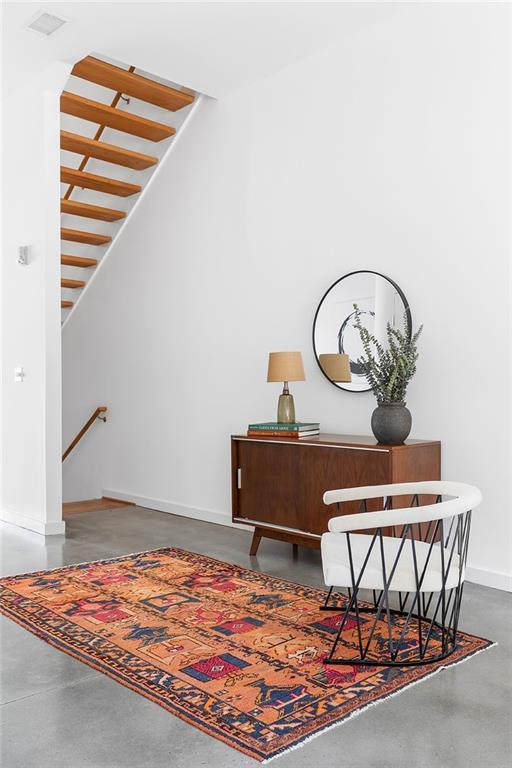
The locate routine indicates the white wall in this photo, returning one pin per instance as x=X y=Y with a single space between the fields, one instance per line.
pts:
x=386 y=153
x=31 y=411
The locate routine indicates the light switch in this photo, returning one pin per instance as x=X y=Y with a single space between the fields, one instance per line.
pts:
x=19 y=375
x=23 y=254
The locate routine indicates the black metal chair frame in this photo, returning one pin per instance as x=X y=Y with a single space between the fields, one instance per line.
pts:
x=429 y=614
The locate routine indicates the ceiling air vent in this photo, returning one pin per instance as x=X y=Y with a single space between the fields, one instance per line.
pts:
x=46 y=24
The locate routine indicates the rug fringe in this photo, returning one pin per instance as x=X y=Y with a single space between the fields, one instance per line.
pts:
x=319 y=589
x=85 y=562
x=357 y=712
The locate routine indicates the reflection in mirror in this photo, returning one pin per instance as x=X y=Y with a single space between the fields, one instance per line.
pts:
x=336 y=367
x=335 y=339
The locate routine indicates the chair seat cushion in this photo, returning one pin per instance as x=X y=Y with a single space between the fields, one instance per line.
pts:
x=336 y=563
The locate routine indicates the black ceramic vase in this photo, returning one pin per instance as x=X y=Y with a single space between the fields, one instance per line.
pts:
x=391 y=423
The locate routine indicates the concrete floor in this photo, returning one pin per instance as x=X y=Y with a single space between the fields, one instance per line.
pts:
x=59 y=713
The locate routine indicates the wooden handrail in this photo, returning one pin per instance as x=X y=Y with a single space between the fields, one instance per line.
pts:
x=96 y=415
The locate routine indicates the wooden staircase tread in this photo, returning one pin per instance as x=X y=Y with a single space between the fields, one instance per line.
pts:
x=99 y=183
x=66 y=304
x=77 y=236
x=77 y=261
x=92 y=505
x=66 y=282
x=90 y=211
x=109 y=153
x=100 y=72
x=96 y=112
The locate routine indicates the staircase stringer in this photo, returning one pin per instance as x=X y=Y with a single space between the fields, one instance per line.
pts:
x=175 y=140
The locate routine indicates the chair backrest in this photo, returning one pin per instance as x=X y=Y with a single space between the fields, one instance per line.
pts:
x=463 y=498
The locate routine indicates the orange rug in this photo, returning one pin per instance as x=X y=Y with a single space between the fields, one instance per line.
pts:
x=234 y=652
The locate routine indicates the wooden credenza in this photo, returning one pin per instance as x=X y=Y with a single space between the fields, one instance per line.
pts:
x=278 y=483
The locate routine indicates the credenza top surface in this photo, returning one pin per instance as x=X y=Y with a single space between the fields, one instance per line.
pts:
x=324 y=438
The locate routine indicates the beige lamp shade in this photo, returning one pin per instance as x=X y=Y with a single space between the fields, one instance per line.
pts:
x=336 y=367
x=285 y=366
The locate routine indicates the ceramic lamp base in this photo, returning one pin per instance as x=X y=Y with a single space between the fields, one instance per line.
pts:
x=286 y=409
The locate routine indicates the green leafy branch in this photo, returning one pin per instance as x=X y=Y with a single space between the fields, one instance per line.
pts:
x=390 y=370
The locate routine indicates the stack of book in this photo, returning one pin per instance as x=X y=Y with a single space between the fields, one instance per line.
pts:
x=278 y=429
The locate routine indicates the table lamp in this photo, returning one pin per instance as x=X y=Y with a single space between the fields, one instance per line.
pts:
x=285 y=367
x=336 y=367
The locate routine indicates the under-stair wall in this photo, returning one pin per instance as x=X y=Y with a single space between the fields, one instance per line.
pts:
x=140 y=300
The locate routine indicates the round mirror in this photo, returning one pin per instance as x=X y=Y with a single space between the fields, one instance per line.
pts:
x=336 y=341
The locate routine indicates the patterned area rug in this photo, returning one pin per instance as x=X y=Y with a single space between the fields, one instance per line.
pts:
x=232 y=651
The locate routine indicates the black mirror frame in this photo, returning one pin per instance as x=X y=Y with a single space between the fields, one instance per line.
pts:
x=407 y=311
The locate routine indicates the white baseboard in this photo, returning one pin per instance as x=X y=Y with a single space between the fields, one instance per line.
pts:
x=173 y=508
x=51 y=528
x=486 y=578
x=495 y=579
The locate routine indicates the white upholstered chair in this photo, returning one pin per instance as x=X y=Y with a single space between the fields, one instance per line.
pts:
x=411 y=557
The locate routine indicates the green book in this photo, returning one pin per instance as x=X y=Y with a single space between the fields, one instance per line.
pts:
x=279 y=426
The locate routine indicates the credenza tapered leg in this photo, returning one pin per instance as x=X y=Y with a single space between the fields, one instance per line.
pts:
x=256 y=538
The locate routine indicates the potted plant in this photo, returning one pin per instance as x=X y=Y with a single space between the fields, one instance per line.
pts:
x=388 y=372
